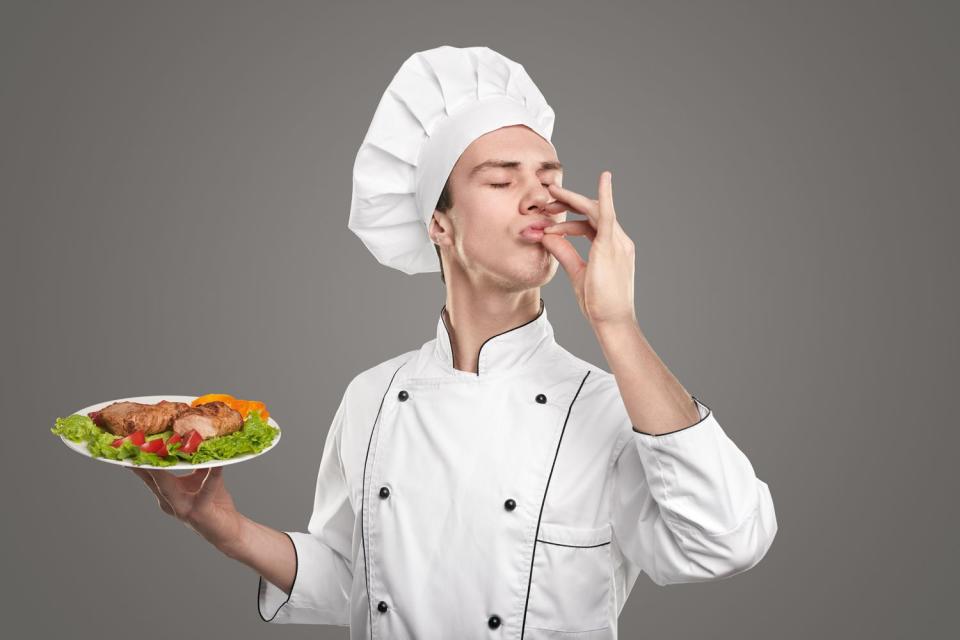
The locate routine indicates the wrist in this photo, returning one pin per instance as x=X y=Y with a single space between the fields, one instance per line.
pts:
x=237 y=542
x=614 y=334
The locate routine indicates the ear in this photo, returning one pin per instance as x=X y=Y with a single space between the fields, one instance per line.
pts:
x=441 y=229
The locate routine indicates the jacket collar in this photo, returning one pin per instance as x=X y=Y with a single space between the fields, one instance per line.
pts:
x=503 y=351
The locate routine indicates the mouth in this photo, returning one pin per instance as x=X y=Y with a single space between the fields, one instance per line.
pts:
x=534 y=232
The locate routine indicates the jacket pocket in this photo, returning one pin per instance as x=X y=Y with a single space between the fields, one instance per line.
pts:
x=570 y=585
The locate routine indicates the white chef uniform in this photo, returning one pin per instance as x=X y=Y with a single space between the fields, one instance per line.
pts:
x=517 y=502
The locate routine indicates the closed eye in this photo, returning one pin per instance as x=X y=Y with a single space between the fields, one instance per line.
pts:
x=503 y=185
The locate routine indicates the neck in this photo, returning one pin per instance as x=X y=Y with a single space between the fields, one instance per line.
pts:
x=472 y=317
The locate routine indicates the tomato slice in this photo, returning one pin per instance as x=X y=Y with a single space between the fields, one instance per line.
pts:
x=153 y=446
x=117 y=442
x=174 y=439
x=137 y=437
x=193 y=441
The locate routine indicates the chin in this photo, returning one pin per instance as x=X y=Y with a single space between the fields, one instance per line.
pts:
x=530 y=273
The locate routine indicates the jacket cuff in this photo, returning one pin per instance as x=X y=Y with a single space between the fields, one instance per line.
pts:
x=270 y=597
x=702 y=408
x=318 y=593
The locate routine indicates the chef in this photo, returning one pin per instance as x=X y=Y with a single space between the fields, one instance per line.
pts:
x=490 y=484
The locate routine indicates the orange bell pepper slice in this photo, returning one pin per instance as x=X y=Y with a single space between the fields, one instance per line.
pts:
x=213 y=397
x=260 y=407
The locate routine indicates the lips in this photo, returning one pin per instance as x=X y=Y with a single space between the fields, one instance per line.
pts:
x=534 y=232
x=539 y=225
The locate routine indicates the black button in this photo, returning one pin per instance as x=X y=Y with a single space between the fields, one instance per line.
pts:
x=493 y=622
x=510 y=504
x=382 y=607
x=542 y=399
x=384 y=492
x=403 y=395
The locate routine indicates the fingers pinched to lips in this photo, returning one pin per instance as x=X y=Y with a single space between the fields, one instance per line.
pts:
x=577 y=203
x=600 y=213
x=573 y=228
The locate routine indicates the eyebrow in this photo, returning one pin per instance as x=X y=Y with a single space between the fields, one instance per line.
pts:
x=547 y=165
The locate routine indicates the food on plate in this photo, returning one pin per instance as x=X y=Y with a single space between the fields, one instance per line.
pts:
x=123 y=418
x=171 y=433
x=210 y=420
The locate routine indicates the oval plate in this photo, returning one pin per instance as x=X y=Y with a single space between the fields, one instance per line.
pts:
x=81 y=447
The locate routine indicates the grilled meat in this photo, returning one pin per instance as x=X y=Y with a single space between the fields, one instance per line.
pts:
x=123 y=418
x=210 y=420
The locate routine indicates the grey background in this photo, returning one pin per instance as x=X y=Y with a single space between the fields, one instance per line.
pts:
x=175 y=190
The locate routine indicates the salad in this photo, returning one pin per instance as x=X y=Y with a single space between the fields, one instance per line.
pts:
x=168 y=448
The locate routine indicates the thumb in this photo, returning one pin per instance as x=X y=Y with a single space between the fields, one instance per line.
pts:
x=211 y=484
x=565 y=253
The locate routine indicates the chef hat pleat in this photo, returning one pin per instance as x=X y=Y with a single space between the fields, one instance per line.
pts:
x=435 y=106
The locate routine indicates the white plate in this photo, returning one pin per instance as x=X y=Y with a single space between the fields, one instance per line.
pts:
x=81 y=447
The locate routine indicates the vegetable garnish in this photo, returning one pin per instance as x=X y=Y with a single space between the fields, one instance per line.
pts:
x=168 y=448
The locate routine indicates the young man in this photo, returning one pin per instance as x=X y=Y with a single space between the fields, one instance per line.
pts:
x=490 y=483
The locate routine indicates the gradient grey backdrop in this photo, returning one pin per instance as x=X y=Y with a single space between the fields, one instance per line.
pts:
x=175 y=189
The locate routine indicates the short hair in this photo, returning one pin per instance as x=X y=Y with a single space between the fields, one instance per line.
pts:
x=444 y=203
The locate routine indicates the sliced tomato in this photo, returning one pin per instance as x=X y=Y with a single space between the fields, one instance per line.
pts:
x=153 y=446
x=193 y=441
x=137 y=438
x=174 y=439
x=162 y=449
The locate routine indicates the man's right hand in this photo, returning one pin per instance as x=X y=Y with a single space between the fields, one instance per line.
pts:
x=199 y=500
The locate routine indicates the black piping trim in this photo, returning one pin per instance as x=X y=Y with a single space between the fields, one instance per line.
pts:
x=533 y=556
x=681 y=428
x=363 y=499
x=575 y=546
x=450 y=342
x=296 y=572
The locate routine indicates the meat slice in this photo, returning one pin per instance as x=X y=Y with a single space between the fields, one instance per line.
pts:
x=210 y=420
x=123 y=418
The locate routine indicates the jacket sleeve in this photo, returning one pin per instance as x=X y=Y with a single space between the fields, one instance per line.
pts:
x=324 y=574
x=687 y=506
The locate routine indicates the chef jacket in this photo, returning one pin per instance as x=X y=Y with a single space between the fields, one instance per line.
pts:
x=514 y=502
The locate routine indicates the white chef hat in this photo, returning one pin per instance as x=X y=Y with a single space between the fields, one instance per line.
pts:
x=439 y=102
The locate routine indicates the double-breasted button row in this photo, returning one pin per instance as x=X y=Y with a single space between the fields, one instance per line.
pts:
x=510 y=504
x=403 y=395
x=382 y=606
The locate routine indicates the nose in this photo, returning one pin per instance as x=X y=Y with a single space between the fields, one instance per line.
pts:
x=537 y=199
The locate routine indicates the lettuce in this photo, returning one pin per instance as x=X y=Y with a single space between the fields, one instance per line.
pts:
x=255 y=436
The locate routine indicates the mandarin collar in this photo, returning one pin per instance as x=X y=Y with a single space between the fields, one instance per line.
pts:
x=502 y=352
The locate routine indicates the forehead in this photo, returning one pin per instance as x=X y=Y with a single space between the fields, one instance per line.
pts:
x=515 y=142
